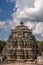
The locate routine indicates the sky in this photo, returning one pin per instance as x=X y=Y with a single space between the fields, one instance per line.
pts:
x=12 y=11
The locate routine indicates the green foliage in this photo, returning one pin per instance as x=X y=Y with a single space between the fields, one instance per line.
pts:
x=40 y=43
x=2 y=43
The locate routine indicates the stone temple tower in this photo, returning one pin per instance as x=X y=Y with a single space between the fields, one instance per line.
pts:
x=21 y=45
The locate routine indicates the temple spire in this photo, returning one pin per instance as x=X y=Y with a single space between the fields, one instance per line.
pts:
x=21 y=22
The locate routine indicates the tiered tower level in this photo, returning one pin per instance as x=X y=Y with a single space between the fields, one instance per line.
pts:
x=21 y=45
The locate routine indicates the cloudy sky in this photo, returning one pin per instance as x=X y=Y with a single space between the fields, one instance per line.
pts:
x=12 y=11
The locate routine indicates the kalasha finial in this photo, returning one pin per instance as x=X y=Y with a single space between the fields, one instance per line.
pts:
x=21 y=22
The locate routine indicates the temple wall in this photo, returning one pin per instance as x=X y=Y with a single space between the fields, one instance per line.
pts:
x=20 y=64
x=21 y=44
x=17 y=63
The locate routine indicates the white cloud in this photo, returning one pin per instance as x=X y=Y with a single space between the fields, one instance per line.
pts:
x=38 y=4
x=30 y=25
x=22 y=3
x=30 y=11
x=39 y=29
x=2 y=25
x=8 y=25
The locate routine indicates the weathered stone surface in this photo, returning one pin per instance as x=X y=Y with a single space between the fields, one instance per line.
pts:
x=40 y=59
x=17 y=63
x=21 y=45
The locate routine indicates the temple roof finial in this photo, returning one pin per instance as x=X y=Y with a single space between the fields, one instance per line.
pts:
x=21 y=22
